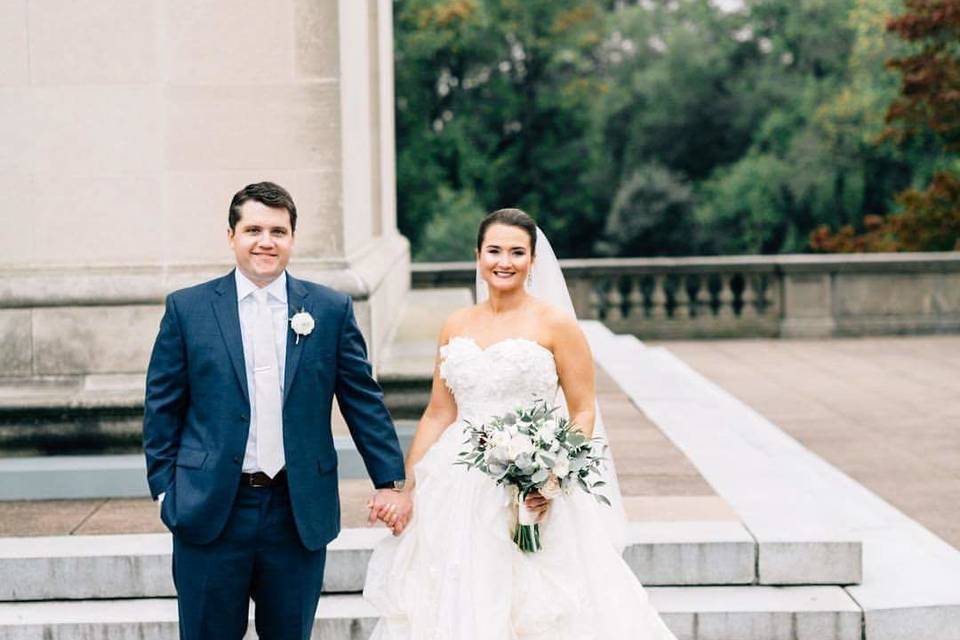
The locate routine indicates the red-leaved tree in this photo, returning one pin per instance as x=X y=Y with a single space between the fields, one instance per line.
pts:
x=928 y=103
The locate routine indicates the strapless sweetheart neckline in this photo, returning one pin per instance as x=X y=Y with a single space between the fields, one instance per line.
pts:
x=473 y=341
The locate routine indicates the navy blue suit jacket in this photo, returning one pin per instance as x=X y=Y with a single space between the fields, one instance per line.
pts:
x=197 y=410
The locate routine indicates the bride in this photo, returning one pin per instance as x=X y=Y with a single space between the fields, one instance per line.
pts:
x=454 y=572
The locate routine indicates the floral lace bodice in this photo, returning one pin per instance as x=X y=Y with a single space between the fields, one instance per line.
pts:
x=491 y=381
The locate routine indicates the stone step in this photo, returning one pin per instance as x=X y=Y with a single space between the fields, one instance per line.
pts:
x=782 y=491
x=138 y=566
x=406 y=369
x=406 y=394
x=692 y=613
x=103 y=413
x=124 y=475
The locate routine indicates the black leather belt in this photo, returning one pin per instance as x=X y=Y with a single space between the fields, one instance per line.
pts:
x=260 y=479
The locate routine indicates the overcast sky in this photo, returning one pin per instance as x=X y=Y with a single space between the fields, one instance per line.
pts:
x=728 y=5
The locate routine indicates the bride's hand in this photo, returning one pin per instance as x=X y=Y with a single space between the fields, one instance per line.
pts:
x=393 y=508
x=536 y=503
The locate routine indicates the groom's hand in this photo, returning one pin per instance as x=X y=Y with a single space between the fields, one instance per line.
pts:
x=393 y=508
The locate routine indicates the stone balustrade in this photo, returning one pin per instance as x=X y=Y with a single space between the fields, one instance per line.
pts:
x=730 y=296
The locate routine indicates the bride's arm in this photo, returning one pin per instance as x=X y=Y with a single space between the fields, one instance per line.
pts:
x=441 y=411
x=574 y=361
x=575 y=370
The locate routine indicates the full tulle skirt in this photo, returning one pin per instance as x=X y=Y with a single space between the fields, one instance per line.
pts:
x=456 y=574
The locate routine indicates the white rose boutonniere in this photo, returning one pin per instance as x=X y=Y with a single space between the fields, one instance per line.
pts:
x=302 y=324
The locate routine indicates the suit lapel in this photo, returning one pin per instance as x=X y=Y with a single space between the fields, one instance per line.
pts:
x=297 y=300
x=228 y=318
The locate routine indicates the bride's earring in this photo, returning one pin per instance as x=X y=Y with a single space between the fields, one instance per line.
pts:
x=529 y=279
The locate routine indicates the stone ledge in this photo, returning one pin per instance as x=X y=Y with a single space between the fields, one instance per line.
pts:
x=816 y=562
x=138 y=566
x=337 y=618
x=692 y=613
x=124 y=475
x=26 y=287
x=910 y=584
x=439 y=274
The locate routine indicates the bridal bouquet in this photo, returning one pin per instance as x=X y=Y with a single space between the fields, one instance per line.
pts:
x=530 y=450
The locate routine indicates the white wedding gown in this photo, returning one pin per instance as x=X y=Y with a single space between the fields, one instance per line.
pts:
x=455 y=573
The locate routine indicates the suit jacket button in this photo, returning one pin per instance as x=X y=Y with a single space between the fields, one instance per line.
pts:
x=237 y=459
x=244 y=418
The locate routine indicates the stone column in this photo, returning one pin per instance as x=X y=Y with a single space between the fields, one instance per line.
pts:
x=128 y=125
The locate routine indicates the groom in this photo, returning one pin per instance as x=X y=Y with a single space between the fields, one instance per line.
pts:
x=237 y=431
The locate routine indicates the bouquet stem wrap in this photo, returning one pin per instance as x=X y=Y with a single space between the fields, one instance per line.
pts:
x=527 y=534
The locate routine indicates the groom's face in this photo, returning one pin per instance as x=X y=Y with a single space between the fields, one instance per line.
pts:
x=262 y=241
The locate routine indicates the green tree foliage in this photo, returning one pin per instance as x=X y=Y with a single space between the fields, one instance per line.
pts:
x=814 y=159
x=652 y=215
x=648 y=127
x=493 y=102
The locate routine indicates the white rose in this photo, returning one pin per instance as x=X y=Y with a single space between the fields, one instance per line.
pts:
x=562 y=468
x=519 y=444
x=496 y=455
x=500 y=439
x=547 y=432
x=302 y=323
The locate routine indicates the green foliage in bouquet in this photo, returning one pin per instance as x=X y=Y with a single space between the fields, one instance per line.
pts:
x=532 y=450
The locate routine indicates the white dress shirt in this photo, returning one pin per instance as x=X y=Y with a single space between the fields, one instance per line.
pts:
x=247 y=306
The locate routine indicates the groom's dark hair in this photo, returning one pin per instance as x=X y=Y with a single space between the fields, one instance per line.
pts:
x=266 y=193
x=511 y=218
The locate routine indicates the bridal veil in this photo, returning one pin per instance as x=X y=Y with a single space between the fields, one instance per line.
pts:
x=547 y=283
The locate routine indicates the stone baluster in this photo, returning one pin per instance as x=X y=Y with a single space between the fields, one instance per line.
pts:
x=614 y=301
x=696 y=302
x=684 y=303
x=635 y=298
x=658 y=298
x=749 y=296
x=597 y=301
x=725 y=296
x=762 y=299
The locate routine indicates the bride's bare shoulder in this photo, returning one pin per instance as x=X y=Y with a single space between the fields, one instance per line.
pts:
x=457 y=322
x=556 y=323
x=553 y=316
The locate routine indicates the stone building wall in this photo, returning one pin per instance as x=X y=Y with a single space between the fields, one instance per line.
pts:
x=128 y=124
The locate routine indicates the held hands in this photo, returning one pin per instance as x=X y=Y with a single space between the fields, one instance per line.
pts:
x=393 y=508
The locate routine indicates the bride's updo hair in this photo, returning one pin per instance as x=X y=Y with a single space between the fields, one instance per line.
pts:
x=511 y=218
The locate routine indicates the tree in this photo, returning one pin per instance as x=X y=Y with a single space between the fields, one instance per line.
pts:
x=617 y=123
x=807 y=163
x=493 y=100
x=652 y=215
x=451 y=236
x=928 y=108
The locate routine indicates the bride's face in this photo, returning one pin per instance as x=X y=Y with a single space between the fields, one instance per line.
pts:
x=504 y=257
